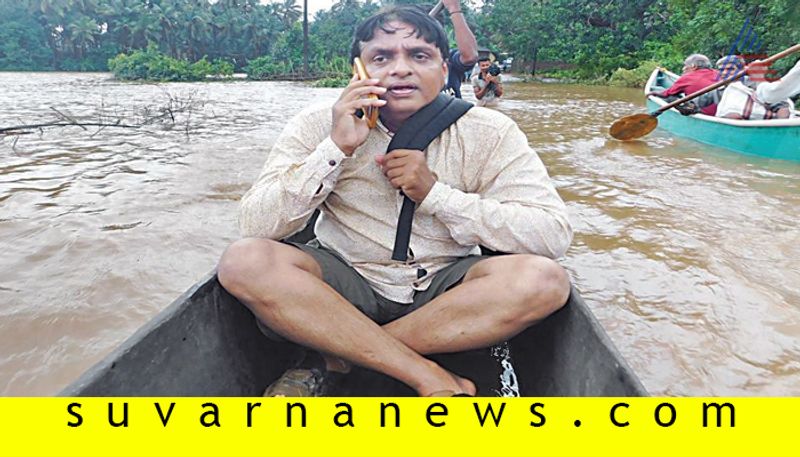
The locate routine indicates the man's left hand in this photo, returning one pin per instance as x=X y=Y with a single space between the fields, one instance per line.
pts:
x=407 y=170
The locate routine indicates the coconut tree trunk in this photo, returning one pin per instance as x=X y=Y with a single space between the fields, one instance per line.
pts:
x=305 y=38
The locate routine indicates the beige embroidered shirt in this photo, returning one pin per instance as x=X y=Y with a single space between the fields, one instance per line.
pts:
x=492 y=190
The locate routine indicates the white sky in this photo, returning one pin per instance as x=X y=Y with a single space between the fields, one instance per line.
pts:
x=316 y=5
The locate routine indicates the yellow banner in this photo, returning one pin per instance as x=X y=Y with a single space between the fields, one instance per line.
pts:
x=400 y=427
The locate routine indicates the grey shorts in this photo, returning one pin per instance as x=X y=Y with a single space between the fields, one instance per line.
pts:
x=337 y=273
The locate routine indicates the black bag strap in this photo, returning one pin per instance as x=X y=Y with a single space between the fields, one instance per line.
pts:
x=417 y=133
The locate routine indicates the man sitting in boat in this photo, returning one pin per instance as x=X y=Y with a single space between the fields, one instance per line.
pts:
x=754 y=99
x=697 y=75
x=727 y=67
x=342 y=295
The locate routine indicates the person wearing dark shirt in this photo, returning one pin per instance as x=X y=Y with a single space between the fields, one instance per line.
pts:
x=465 y=56
x=697 y=74
x=456 y=69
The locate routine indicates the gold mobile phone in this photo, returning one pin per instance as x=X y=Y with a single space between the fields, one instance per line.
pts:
x=371 y=113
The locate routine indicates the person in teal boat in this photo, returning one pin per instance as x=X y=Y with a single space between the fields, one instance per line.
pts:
x=754 y=98
x=351 y=295
x=777 y=91
x=729 y=66
x=697 y=75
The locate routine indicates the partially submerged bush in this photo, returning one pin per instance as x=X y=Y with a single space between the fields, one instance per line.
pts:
x=341 y=81
x=636 y=77
x=266 y=68
x=151 y=65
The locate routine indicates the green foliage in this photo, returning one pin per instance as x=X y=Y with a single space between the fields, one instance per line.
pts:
x=340 y=81
x=711 y=28
x=601 y=37
x=594 y=37
x=23 y=43
x=636 y=77
x=266 y=68
x=85 y=34
x=597 y=37
x=151 y=65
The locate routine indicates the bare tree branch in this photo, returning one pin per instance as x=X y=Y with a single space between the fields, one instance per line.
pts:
x=148 y=115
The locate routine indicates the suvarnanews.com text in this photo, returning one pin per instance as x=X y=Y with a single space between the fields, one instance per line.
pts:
x=120 y=414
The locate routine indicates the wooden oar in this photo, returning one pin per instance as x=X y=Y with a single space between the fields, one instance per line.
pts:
x=436 y=9
x=639 y=125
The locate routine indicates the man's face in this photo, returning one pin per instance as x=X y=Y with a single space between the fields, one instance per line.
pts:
x=412 y=69
x=728 y=69
x=484 y=65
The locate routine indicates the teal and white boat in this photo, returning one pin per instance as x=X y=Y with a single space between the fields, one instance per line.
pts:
x=777 y=139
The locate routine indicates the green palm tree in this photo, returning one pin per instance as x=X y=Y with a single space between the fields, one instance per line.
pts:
x=343 y=5
x=305 y=38
x=289 y=12
x=198 y=32
x=82 y=34
x=145 y=29
x=120 y=17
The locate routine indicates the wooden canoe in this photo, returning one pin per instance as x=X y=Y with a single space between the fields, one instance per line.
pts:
x=206 y=343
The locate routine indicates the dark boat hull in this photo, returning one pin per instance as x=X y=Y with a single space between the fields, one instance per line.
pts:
x=207 y=344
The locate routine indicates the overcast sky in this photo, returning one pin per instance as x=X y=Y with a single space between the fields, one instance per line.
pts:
x=316 y=5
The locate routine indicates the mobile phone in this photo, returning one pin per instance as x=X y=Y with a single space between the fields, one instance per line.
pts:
x=361 y=72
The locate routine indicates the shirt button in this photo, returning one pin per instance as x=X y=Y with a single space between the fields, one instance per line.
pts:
x=332 y=162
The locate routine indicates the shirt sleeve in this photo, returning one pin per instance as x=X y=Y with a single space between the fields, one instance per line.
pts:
x=475 y=79
x=677 y=87
x=455 y=63
x=300 y=171
x=516 y=208
x=778 y=91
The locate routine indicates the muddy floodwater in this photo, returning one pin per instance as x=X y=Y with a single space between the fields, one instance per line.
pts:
x=689 y=255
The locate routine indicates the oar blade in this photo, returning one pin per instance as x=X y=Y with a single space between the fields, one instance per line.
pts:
x=632 y=127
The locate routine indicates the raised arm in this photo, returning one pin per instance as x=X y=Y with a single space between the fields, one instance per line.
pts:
x=778 y=91
x=465 y=39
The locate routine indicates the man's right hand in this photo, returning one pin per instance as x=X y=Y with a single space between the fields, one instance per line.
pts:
x=348 y=131
x=452 y=5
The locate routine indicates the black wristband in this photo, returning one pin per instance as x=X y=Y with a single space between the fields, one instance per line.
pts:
x=456 y=12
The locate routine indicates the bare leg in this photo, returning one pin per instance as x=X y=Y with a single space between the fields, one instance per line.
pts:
x=282 y=285
x=499 y=297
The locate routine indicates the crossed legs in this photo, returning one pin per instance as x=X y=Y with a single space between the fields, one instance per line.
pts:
x=498 y=298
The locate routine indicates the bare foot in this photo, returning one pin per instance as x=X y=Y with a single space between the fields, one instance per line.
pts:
x=333 y=363
x=458 y=385
x=467 y=386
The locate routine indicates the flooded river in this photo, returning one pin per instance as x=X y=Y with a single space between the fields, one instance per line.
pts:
x=689 y=255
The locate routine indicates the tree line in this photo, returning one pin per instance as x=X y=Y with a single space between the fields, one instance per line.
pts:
x=598 y=37
x=592 y=38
